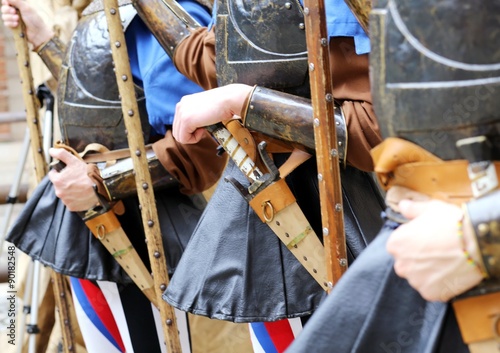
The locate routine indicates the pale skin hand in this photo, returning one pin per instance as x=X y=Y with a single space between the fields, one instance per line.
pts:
x=72 y=185
x=198 y=110
x=428 y=251
x=37 y=31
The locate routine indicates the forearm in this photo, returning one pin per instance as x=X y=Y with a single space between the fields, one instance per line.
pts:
x=196 y=166
x=195 y=58
x=52 y=54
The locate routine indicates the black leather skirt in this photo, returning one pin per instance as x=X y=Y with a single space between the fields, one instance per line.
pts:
x=235 y=268
x=58 y=238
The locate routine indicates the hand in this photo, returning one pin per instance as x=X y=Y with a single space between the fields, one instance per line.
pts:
x=72 y=185
x=36 y=30
x=429 y=253
x=202 y=109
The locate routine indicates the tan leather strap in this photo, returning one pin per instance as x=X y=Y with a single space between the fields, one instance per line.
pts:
x=296 y=158
x=402 y=163
x=95 y=152
x=479 y=320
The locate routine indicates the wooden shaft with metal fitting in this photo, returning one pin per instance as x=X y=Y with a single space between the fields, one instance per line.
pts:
x=41 y=167
x=145 y=190
x=325 y=136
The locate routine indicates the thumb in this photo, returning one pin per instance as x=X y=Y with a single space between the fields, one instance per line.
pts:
x=62 y=155
x=412 y=209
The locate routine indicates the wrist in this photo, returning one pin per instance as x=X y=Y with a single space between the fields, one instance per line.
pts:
x=470 y=244
x=41 y=40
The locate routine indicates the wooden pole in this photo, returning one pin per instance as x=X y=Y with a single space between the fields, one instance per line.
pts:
x=325 y=136
x=144 y=184
x=41 y=167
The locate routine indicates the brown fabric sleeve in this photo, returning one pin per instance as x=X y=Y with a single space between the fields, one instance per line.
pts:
x=351 y=88
x=196 y=166
x=195 y=57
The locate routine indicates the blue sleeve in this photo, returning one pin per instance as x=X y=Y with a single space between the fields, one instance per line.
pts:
x=341 y=22
x=153 y=70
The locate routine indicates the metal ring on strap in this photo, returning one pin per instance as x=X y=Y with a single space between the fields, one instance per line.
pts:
x=101 y=232
x=265 y=205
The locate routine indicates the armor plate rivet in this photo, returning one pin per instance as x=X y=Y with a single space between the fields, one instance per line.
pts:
x=324 y=42
x=329 y=97
x=326 y=231
x=306 y=11
x=168 y=322
x=156 y=254
x=302 y=26
x=338 y=207
x=288 y=5
x=311 y=67
x=145 y=186
x=163 y=286
x=150 y=223
x=316 y=122
x=118 y=44
x=112 y=11
x=130 y=112
x=124 y=77
x=343 y=262
x=320 y=177
x=340 y=143
x=483 y=229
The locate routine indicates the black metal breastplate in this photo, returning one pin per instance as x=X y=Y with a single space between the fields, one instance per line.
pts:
x=89 y=106
x=262 y=42
x=436 y=72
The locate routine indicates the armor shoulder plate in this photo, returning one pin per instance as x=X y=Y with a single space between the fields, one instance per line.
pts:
x=435 y=72
x=261 y=43
x=89 y=106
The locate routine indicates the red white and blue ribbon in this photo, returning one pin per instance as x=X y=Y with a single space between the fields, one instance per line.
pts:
x=274 y=337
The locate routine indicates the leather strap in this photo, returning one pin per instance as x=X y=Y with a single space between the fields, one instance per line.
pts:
x=479 y=320
x=402 y=163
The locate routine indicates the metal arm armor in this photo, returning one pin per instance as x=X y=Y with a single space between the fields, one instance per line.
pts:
x=119 y=179
x=289 y=118
x=167 y=20
x=52 y=54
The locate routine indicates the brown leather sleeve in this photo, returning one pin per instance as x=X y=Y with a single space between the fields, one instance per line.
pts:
x=351 y=87
x=196 y=166
x=94 y=174
x=195 y=57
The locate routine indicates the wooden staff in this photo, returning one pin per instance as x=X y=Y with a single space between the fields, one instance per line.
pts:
x=41 y=167
x=325 y=136
x=143 y=177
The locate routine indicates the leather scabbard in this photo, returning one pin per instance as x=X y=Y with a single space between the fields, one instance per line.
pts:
x=277 y=207
x=108 y=230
